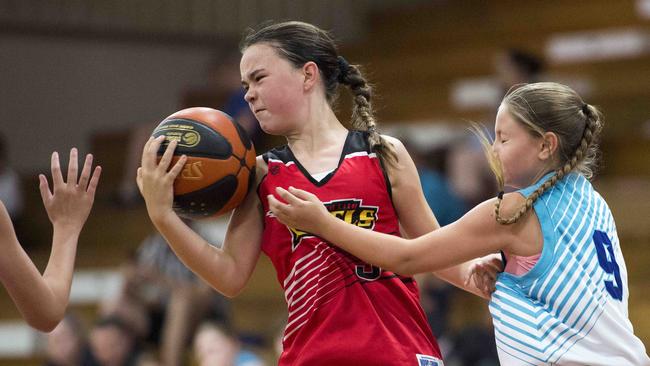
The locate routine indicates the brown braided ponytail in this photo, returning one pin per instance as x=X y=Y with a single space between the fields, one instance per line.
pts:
x=300 y=43
x=552 y=107
x=362 y=113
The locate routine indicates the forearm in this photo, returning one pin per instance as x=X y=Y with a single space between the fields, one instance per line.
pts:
x=214 y=265
x=60 y=267
x=41 y=300
x=386 y=251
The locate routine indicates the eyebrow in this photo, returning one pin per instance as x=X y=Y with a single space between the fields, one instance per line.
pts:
x=251 y=75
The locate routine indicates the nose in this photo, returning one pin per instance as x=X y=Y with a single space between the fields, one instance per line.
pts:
x=495 y=149
x=250 y=95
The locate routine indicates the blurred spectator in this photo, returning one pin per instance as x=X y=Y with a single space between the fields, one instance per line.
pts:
x=216 y=345
x=432 y=169
x=10 y=192
x=469 y=172
x=113 y=343
x=162 y=300
x=470 y=176
x=65 y=345
x=224 y=76
x=515 y=66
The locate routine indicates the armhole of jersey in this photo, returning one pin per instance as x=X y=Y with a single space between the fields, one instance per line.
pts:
x=389 y=187
x=260 y=186
x=546 y=257
x=265 y=157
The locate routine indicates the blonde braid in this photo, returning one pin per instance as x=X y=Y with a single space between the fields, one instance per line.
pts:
x=592 y=130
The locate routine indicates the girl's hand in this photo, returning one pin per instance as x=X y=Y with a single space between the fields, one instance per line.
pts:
x=156 y=184
x=484 y=273
x=303 y=210
x=68 y=204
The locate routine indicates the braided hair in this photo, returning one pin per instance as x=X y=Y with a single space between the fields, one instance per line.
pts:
x=552 y=107
x=299 y=43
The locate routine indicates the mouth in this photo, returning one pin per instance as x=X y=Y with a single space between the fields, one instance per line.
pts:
x=259 y=110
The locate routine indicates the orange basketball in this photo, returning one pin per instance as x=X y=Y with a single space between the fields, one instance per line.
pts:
x=220 y=167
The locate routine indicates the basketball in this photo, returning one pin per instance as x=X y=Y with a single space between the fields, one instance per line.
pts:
x=220 y=166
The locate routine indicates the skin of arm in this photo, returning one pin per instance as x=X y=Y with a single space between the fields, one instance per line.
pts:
x=474 y=235
x=42 y=300
x=226 y=269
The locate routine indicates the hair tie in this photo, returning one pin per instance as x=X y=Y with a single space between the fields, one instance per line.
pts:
x=344 y=68
x=500 y=195
x=585 y=109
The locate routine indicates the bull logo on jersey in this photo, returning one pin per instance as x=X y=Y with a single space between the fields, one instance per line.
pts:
x=351 y=211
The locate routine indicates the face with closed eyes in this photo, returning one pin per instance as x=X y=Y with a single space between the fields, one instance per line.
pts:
x=274 y=89
x=519 y=152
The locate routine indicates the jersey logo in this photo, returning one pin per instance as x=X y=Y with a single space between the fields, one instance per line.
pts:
x=351 y=211
x=424 y=360
x=274 y=169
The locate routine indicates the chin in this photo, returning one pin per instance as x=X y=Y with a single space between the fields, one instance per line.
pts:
x=275 y=129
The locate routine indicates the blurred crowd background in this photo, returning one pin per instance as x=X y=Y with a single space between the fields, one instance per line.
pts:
x=100 y=75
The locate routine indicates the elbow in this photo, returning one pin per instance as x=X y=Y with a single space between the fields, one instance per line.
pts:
x=45 y=323
x=404 y=269
x=230 y=291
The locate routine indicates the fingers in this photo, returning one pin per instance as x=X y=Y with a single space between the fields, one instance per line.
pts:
x=94 y=181
x=303 y=195
x=73 y=167
x=149 y=152
x=178 y=167
x=277 y=207
x=85 y=172
x=166 y=159
x=55 y=166
x=287 y=196
x=46 y=195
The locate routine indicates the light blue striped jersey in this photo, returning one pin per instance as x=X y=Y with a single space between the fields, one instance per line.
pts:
x=571 y=308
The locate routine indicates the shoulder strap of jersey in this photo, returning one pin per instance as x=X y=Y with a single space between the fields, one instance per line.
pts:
x=281 y=153
x=356 y=142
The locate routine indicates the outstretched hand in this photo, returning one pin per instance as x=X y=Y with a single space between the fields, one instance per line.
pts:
x=484 y=274
x=69 y=202
x=302 y=210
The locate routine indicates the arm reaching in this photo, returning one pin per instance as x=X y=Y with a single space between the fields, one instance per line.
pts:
x=416 y=217
x=476 y=234
x=42 y=300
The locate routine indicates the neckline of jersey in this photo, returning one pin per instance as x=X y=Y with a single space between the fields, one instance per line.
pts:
x=331 y=174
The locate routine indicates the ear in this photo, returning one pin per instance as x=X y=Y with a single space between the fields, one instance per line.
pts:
x=548 y=146
x=311 y=73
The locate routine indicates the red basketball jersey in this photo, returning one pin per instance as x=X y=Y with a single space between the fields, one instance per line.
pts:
x=343 y=311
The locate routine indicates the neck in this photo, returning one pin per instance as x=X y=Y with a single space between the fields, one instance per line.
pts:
x=320 y=129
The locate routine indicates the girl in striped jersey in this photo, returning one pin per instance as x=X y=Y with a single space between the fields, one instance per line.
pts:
x=563 y=297
x=341 y=311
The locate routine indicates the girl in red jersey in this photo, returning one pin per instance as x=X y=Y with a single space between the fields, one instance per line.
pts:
x=341 y=310
x=42 y=300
